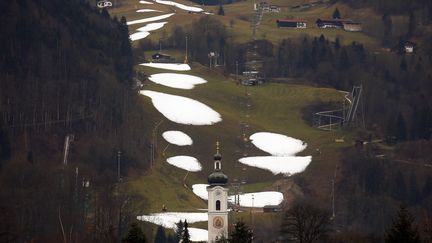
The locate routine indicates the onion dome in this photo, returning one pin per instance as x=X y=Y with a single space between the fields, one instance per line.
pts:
x=217 y=177
x=217 y=157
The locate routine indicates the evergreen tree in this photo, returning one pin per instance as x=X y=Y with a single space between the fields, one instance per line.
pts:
x=403 y=229
x=241 y=233
x=185 y=237
x=388 y=29
x=401 y=128
x=221 y=10
x=337 y=44
x=336 y=14
x=403 y=64
x=344 y=61
x=427 y=188
x=414 y=193
x=178 y=232
x=399 y=188
x=160 y=235
x=170 y=239
x=135 y=235
x=5 y=148
x=411 y=24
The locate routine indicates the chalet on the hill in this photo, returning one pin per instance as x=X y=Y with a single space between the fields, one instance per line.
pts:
x=161 y=57
x=266 y=8
x=409 y=46
x=345 y=24
x=352 y=26
x=330 y=23
x=274 y=9
x=291 y=23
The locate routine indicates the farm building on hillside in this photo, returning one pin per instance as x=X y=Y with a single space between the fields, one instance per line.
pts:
x=346 y=24
x=266 y=8
x=274 y=9
x=330 y=23
x=352 y=26
x=409 y=46
x=161 y=57
x=291 y=23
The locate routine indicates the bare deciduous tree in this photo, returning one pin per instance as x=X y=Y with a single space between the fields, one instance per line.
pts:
x=304 y=223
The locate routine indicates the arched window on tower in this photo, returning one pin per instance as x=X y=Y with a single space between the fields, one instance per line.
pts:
x=217 y=205
x=217 y=165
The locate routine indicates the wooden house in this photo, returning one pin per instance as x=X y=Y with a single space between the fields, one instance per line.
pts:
x=352 y=26
x=409 y=46
x=330 y=23
x=291 y=23
x=161 y=57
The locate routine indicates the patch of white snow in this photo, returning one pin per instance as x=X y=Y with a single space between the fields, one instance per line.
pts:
x=200 y=190
x=169 y=219
x=145 y=2
x=152 y=26
x=175 y=80
x=169 y=66
x=260 y=199
x=151 y=19
x=182 y=110
x=198 y=234
x=138 y=35
x=185 y=162
x=146 y=10
x=177 y=138
x=180 y=6
x=287 y=165
x=277 y=144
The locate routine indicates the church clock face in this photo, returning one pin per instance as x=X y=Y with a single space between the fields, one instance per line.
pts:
x=218 y=192
x=218 y=222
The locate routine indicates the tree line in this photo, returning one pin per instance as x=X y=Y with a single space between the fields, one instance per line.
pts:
x=66 y=68
x=395 y=84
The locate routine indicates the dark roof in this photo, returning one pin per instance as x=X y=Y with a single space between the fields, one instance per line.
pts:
x=336 y=20
x=352 y=22
x=410 y=43
x=291 y=20
x=217 y=156
x=161 y=54
x=217 y=178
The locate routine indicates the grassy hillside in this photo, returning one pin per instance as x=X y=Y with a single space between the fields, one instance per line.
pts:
x=275 y=108
x=238 y=18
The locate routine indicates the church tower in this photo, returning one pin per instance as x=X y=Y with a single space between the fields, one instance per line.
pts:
x=217 y=201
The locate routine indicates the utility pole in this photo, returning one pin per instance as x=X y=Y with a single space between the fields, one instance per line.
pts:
x=252 y=213
x=160 y=45
x=236 y=71
x=68 y=140
x=153 y=145
x=118 y=164
x=186 y=55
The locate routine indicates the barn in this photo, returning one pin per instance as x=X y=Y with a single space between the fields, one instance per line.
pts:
x=291 y=23
x=161 y=57
x=330 y=23
x=352 y=26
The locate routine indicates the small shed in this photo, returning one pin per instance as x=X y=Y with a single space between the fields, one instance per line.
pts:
x=272 y=209
x=161 y=57
x=291 y=23
x=409 y=46
x=274 y=9
x=330 y=23
x=352 y=26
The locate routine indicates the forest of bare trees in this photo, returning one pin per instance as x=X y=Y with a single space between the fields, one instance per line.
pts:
x=66 y=71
